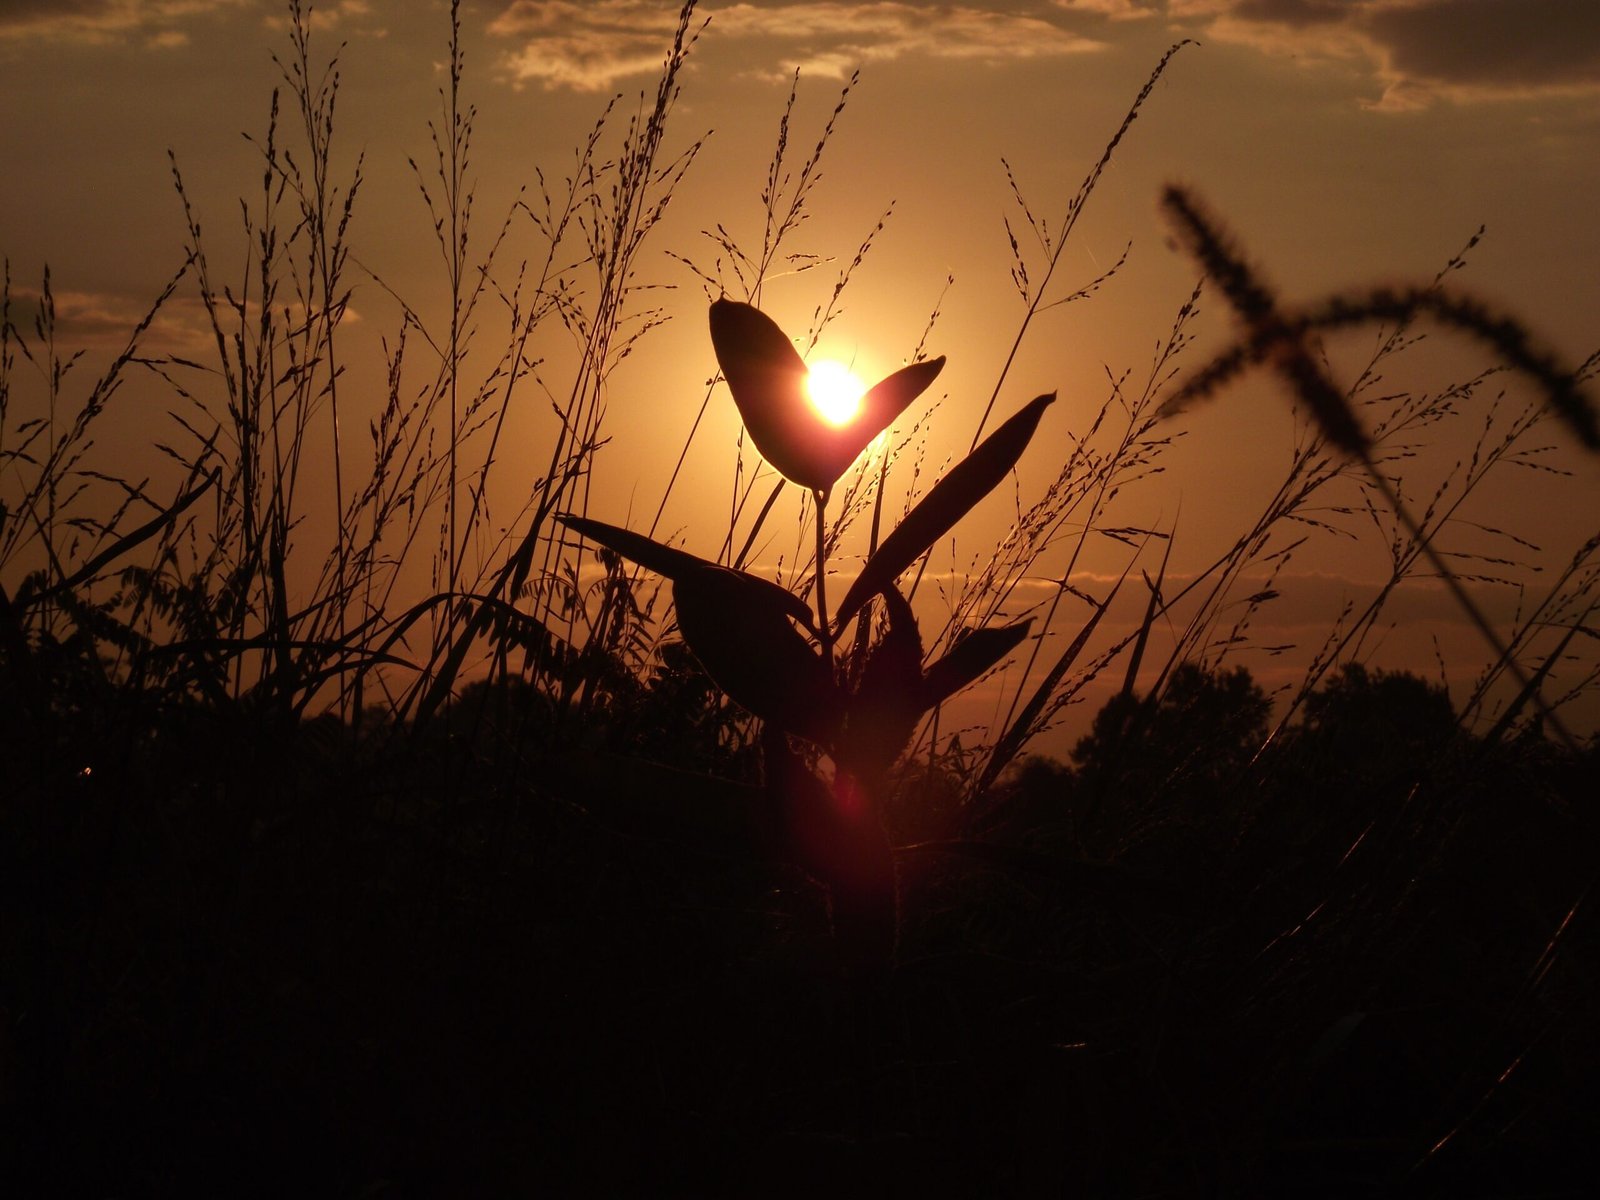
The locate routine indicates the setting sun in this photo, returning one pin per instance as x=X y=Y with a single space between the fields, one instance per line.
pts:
x=834 y=391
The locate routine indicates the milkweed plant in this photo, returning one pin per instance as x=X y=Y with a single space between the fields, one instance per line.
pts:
x=770 y=653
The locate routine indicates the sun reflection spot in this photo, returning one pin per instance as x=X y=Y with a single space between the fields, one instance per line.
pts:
x=834 y=391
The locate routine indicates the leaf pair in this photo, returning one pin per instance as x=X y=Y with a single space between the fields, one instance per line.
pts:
x=673 y=563
x=767 y=377
x=894 y=691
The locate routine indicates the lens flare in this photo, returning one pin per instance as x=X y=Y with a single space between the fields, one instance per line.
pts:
x=834 y=391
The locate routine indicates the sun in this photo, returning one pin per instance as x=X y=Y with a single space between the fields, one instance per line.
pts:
x=834 y=391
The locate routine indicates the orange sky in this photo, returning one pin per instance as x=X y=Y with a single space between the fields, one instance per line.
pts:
x=1344 y=143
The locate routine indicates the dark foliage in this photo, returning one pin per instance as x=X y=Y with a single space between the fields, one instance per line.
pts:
x=249 y=956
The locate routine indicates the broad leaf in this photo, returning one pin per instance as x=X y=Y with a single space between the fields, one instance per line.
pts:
x=884 y=401
x=887 y=703
x=675 y=563
x=740 y=632
x=975 y=651
x=768 y=380
x=969 y=481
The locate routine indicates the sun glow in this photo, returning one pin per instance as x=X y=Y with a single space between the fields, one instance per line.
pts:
x=834 y=391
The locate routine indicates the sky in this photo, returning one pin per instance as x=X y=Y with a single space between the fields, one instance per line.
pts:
x=1344 y=144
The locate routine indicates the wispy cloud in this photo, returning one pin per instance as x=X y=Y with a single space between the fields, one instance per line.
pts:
x=1423 y=51
x=153 y=23
x=1417 y=52
x=348 y=17
x=104 y=321
x=592 y=46
x=1116 y=10
x=584 y=46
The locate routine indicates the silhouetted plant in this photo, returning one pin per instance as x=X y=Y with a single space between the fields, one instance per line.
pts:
x=764 y=647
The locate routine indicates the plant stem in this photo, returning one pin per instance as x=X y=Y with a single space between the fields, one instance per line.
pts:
x=824 y=630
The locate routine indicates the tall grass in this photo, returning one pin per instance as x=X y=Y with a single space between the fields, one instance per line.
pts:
x=214 y=610
x=322 y=650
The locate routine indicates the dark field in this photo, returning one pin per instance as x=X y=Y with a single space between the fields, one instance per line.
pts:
x=251 y=957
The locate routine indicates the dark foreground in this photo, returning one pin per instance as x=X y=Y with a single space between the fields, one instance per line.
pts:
x=246 y=959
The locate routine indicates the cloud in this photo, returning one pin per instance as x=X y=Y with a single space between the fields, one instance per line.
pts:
x=1513 y=45
x=98 y=22
x=584 y=46
x=1424 y=51
x=591 y=46
x=1301 y=13
x=1417 y=52
x=1116 y=10
x=104 y=321
x=346 y=16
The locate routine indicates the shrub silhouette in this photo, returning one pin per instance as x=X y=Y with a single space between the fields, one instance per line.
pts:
x=1366 y=739
x=1201 y=728
x=1365 y=720
x=1174 y=755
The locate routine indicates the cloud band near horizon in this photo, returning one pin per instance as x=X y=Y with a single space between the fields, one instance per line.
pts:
x=1416 y=52
x=1420 y=52
x=594 y=46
